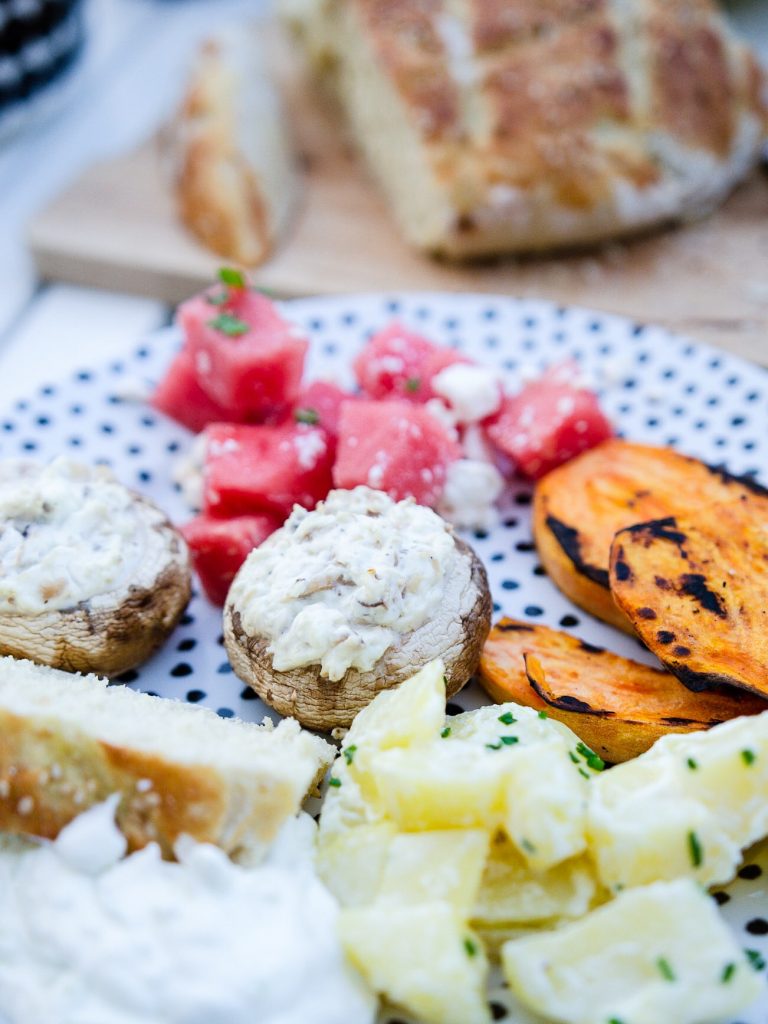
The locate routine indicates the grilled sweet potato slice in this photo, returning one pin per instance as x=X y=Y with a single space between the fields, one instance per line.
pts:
x=696 y=591
x=579 y=507
x=617 y=706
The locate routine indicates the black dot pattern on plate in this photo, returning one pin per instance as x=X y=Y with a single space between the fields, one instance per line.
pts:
x=654 y=386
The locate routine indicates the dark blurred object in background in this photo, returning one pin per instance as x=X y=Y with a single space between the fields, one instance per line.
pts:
x=40 y=42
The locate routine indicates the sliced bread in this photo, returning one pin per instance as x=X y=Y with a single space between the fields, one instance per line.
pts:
x=69 y=741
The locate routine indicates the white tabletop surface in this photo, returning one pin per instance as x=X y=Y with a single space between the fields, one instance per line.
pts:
x=128 y=81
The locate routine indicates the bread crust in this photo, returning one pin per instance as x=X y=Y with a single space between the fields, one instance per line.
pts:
x=544 y=123
x=320 y=703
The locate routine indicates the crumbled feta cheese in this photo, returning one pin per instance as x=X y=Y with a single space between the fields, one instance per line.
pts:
x=471 y=488
x=309 y=446
x=473 y=392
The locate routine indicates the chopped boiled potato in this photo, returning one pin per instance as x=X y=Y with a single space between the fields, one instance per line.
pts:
x=352 y=862
x=687 y=807
x=345 y=805
x=423 y=867
x=411 y=713
x=511 y=894
x=423 y=959
x=655 y=955
x=443 y=784
x=545 y=804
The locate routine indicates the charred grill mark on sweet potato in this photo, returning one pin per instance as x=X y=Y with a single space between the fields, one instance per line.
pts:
x=617 y=706
x=582 y=505
x=568 y=539
x=714 y=598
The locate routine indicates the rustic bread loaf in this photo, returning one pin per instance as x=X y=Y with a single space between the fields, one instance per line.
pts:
x=507 y=125
x=69 y=741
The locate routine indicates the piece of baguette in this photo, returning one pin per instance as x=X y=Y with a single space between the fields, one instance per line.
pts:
x=69 y=741
x=235 y=176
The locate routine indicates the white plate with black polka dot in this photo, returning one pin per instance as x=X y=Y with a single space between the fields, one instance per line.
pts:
x=656 y=387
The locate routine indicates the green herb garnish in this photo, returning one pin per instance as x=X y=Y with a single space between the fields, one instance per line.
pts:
x=756 y=959
x=665 y=969
x=615 y=1020
x=493 y=746
x=527 y=845
x=692 y=764
x=543 y=714
x=333 y=781
x=507 y=718
x=470 y=947
x=748 y=757
x=695 y=850
x=230 y=325
x=509 y=741
x=349 y=753
x=220 y=299
x=573 y=757
x=584 y=774
x=412 y=384
x=446 y=732
x=728 y=972
x=232 y=277
x=595 y=762
x=309 y=416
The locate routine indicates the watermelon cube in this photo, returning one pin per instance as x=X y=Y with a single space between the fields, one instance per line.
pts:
x=247 y=358
x=394 y=446
x=398 y=363
x=320 y=403
x=179 y=396
x=220 y=546
x=549 y=422
x=265 y=469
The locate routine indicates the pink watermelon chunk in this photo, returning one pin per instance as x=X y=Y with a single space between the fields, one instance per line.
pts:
x=220 y=546
x=320 y=403
x=179 y=396
x=247 y=358
x=398 y=363
x=394 y=446
x=549 y=422
x=265 y=469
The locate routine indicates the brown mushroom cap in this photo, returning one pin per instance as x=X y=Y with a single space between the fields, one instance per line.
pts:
x=457 y=636
x=117 y=630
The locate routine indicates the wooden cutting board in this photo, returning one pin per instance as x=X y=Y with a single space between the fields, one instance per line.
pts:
x=115 y=228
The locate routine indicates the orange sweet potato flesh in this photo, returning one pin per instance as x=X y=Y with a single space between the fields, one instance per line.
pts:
x=579 y=507
x=616 y=706
x=696 y=591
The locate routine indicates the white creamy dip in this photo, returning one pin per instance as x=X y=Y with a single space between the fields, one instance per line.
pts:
x=337 y=587
x=145 y=941
x=69 y=533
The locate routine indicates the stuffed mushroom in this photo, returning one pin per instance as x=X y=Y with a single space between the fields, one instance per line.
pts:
x=93 y=577
x=353 y=598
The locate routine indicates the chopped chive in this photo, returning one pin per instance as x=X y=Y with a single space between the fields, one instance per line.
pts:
x=445 y=682
x=413 y=384
x=748 y=757
x=493 y=746
x=728 y=972
x=309 y=416
x=333 y=781
x=665 y=969
x=584 y=774
x=228 y=324
x=349 y=753
x=509 y=741
x=232 y=277
x=692 y=764
x=446 y=732
x=756 y=959
x=573 y=757
x=615 y=1020
x=470 y=947
x=695 y=850
x=527 y=845
x=219 y=299
x=595 y=762
x=543 y=714
x=507 y=718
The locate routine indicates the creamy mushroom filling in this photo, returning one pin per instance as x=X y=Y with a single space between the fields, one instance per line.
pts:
x=68 y=533
x=338 y=587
